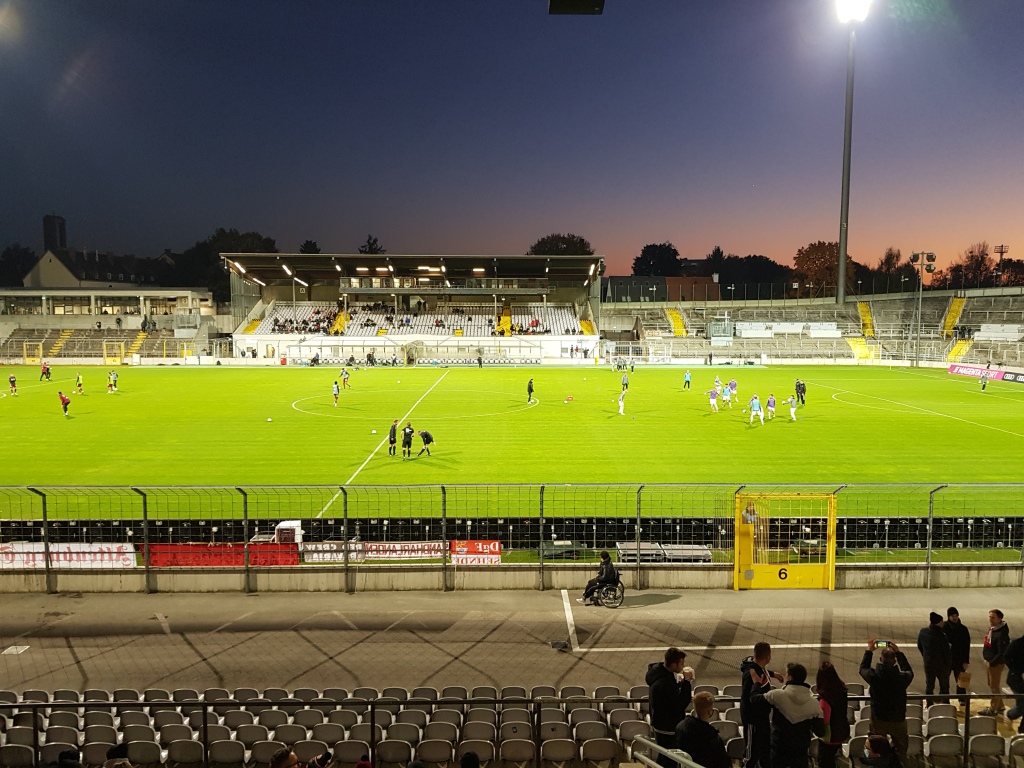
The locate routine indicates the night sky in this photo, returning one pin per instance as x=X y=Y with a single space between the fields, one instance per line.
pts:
x=477 y=126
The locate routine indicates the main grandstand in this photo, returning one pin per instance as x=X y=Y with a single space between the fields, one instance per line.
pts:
x=412 y=309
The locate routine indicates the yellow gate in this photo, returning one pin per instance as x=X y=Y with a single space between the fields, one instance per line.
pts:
x=785 y=541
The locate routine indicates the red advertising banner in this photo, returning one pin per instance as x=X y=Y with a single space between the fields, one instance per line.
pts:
x=221 y=555
x=476 y=552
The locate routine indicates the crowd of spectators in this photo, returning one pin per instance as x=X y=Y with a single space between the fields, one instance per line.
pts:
x=782 y=714
x=319 y=322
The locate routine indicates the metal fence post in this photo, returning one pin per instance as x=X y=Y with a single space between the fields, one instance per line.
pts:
x=344 y=539
x=204 y=737
x=639 y=520
x=931 y=525
x=145 y=540
x=247 y=574
x=540 y=539
x=444 y=539
x=50 y=588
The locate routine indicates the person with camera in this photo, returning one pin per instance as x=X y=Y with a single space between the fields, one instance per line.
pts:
x=887 y=685
x=670 y=691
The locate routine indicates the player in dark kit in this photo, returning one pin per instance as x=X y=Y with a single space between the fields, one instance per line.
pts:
x=529 y=391
x=407 y=433
x=392 y=438
x=427 y=440
x=65 y=401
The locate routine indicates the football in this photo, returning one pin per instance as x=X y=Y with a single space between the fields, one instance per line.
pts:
x=269 y=419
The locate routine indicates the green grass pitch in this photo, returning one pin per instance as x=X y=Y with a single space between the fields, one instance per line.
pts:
x=209 y=426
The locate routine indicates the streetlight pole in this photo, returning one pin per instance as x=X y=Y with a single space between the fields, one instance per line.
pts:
x=850 y=12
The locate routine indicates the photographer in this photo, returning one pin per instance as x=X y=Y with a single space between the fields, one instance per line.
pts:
x=887 y=685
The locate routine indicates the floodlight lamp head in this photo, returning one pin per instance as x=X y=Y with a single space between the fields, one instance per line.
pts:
x=929 y=268
x=852 y=10
x=929 y=257
x=914 y=257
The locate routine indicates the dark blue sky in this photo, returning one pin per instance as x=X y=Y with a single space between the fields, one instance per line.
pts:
x=477 y=126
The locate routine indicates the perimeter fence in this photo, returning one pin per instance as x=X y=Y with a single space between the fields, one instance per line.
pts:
x=643 y=525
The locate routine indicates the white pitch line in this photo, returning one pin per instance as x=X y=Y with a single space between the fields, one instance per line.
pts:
x=333 y=499
x=574 y=642
x=347 y=621
x=163 y=623
x=227 y=624
x=404 y=418
x=919 y=408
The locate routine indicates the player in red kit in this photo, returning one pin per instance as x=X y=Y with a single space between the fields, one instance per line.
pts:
x=65 y=401
x=14 y=383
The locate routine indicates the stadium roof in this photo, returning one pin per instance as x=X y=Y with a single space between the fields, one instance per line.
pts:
x=328 y=267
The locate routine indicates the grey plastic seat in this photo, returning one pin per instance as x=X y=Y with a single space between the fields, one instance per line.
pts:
x=513 y=715
x=476 y=730
x=246 y=694
x=348 y=753
x=184 y=754
x=251 y=733
x=227 y=754
x=558 y=753
x=50 y=753
x=289 y=734
x=308 y=749
x=441 y=731
x=402 y=694
x=307 y=718
x=100 y=734
x=21 y=735
x=404 y=732
x=518 y=753
x=134 y=717
x=35 y=694
x=62 y=734
x=323 y=705
x=483 y=750
x=568 y=691
x=94 y=754
x=597 y=729
x=424 y=692
x=185 y=694
x=156 y=694
x=392 y=753
x=605 y=691
x=600 y=753
x=138 y=733
x=167 y=717
x=144 y=753
x=515 y=732
x=329 y=733
x=435 y=753
x=174 y=732
x=343 y=717
x=335 y=694
x=236 y=717
x=275 y=694
x=365 y=693
x=66 y=719
x=363 y=732
x=585 y=715
x=214 y=733
x=481 y=715
x=555 y=731
x=305 y=694
x=97 y=718
x=16 y=756
x=195 y=719
x=272 y=718
x=417 y=717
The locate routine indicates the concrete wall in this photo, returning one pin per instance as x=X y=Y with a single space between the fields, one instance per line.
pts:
x=397 y=578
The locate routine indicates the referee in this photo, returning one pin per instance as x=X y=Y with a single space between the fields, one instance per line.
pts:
x=407 y=433
x=529 y=391
x=427 y=440
x=392 y=437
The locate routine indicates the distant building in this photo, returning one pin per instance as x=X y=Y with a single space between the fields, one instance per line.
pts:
x=55 y=236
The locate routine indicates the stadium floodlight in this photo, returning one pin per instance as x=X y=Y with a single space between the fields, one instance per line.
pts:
x=239 y=267
x=259 y=282
x=286 y=270
x=444 y=269
x=424 y=279
x=591 y=272
x=479 y=269
x=915 y=257
x=391 y=267
x=852 y=10
x=337 y=266
x=422 y=268
x=301 y=282
x=929 y=257
x=382 y=269
x=362 y=269
x=447 y=284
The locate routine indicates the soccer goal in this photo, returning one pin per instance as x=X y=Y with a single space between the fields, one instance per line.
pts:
x=33 y=352
x=785 y=541
x=113 y=352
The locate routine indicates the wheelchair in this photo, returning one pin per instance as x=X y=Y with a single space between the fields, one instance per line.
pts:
x=610 y=595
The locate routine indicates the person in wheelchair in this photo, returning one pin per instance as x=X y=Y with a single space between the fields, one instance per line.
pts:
x=606 y=574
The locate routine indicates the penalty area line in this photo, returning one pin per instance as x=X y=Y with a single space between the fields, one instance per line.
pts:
x=381 y=443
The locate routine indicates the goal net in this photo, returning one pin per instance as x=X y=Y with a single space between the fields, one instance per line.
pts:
x=33 y=352
x=113 y=352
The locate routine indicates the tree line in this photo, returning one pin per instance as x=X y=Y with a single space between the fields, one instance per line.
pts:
x=814 y=264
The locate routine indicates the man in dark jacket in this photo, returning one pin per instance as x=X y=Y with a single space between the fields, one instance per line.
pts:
x=605 y=575
x=959 y=645
x=996 y=640
x=668 y=699
x=938 y=659
x=756 y=716
x=887 y=686
x=797 y=715
x=1014 y=656
x=699 y=738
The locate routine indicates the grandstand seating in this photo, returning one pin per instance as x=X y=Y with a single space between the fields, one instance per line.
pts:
x=243 y=728
x=304 y=317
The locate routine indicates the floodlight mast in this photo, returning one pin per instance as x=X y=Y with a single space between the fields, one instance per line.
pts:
x=850 y=12
x=922 y=262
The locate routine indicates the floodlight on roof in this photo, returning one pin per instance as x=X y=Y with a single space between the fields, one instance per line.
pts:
x=286 y=270
x=239 y=267
x=337 y=266
x=592 y=268
x=259 y=282
x=362 y=269
x=424 y=279
x=447 y=284
x=422 y=269
x=478 y=269
x=391 y=267
x=301 y=282
x=444 y=268
x=852 y=10
x=382 y=269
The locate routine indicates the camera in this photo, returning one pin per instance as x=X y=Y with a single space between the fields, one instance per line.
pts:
x=881 y=643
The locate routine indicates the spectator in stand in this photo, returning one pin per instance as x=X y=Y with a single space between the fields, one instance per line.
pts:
x=698 y=738
x=284 y=758
x=832 y=697
x=756 y=717
x=670 y=692
x=996 y=640
x=878 y=753
x=935 y=652
x=796 y=717
x=1014 y=657
x=960 y=647
x=887 y=686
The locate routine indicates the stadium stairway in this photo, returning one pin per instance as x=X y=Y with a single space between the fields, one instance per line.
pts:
x=252 y=326
x=587 y=328
x=139 y=340
x=382 y=331
x=60 y=341
x=953 y=312
x=861 y=349
x=961 y=348
x=505 y=321
x=339 y=323
x=676 y=319
x=867 y=321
